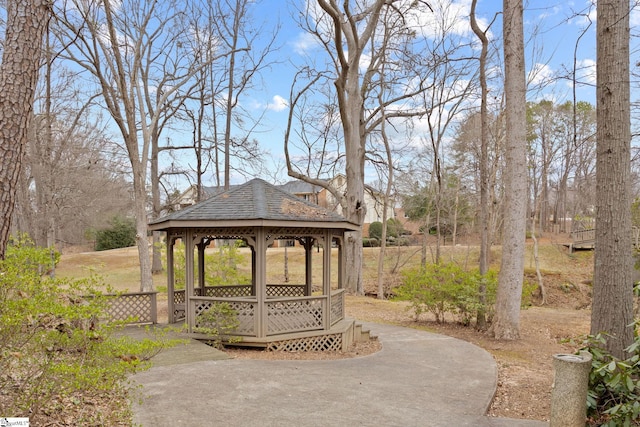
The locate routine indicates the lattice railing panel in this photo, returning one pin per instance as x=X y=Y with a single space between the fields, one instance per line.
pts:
x=179 y=312
x=275 y=291
x=337 y=306
x=179 y=296
x=138 y=306
x=245 y=312
x=292 y=316
x=331 y=342
x=234 y=291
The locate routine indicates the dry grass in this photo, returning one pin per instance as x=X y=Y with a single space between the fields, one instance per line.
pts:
x=120 y=267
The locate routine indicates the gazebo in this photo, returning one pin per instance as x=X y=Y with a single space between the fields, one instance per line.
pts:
x=279 y=316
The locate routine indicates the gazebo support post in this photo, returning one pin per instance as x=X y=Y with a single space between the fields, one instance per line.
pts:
x=260 y=274
x=341 y=262
x=326 y=278
x=170 y=279
x=189 y=264
x=254 y=266
x=202 y=245
x=308 y=265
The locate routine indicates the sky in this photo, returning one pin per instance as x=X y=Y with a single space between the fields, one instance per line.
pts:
x=552 y=31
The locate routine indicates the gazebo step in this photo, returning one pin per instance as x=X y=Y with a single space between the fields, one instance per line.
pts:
x=339 y=338
x=362 y=335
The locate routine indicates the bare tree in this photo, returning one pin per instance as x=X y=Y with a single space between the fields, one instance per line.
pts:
x=506 y=324
x=24 y=32
x=483 y=217
x=612 y=311
x=345 y=33
x=121 y=49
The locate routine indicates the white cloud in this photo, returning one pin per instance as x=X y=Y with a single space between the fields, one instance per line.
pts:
x=586 y=71
x=540 y=75
x=278 y=103
x=304 y=42
x=448 y=16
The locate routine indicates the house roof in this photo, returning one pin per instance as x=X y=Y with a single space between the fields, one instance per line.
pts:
x=300 y=187
x=253 y=203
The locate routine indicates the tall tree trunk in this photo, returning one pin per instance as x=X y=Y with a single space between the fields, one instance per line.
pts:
x=483 y=217
x=142 y=241
x=156 y=264
x=612 y=310
x=26 y=25
x=508 y=299
x=385 y=205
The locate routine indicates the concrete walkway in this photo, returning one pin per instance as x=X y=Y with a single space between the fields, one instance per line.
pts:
x=418 y=379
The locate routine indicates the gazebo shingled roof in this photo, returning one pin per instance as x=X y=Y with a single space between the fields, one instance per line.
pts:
x=256 y=200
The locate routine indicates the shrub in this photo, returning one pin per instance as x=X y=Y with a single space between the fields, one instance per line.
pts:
x=614 y=385
x=219 y=321
x=53 y=352
x=370 y=242
x=394 y=229
x=120 y=234
x=446 y=288
x=375 y=230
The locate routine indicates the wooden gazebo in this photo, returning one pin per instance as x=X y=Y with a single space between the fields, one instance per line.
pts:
x=302 y=316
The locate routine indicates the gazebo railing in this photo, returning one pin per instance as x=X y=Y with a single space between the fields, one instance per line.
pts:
x=244 y=307
x=233 y=291
x=287 y=315
x=337 y=306
x=283 y=315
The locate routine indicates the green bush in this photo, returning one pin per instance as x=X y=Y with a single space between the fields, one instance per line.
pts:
x=120 y=234
x=396 y=229
x=614 y=385
x=219 y=321
x=54 y=354
x=370 y=242
x=447 y=289
x=375 y=230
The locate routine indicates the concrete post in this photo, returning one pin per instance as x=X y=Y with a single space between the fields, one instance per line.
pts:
x=570 y=386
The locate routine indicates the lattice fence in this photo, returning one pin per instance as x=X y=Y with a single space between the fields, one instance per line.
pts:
x=245 y=312
x=274 y=291
x=139 y=307
x=331 y=342
x=293 y=316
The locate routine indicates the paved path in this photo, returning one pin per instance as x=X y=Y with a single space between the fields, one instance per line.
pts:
x=418 y=379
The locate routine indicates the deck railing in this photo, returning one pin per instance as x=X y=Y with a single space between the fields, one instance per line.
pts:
x=583 y=235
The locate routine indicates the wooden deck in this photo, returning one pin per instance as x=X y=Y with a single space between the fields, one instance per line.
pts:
x=586 y=239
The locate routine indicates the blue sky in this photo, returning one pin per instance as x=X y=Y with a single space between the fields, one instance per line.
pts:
x=552 y=29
